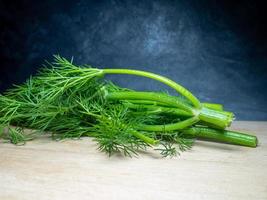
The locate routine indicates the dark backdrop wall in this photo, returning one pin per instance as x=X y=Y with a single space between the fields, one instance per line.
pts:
x=217 y=49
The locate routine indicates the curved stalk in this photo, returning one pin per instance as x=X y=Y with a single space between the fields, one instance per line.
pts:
x=159 y=78
x=153 y=109
x=169 y=127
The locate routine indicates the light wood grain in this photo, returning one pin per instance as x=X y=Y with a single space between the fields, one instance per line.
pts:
x=74 y=169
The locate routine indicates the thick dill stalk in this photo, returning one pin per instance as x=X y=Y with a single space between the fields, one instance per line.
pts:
x=226 y=136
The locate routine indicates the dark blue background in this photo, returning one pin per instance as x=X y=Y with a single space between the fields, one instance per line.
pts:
x=217 y=49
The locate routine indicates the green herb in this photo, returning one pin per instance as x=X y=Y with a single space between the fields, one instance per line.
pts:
x=69 y=101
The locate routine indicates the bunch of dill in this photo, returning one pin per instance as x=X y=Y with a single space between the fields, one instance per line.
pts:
x=69 y=101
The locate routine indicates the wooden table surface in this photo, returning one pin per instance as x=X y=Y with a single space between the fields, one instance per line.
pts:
x=74 y=169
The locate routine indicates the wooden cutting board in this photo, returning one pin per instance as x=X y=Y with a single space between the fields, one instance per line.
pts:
x=74 y=169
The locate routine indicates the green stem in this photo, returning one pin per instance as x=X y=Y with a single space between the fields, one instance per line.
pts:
x=214 y=106
x=147 y=102
x=169 y=127
x=149 y=96
x=146 y=139
x=157 y=77
x=226 y=136
x=153 y=109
